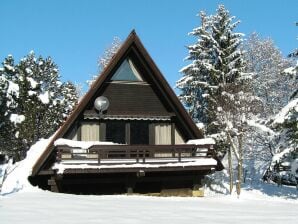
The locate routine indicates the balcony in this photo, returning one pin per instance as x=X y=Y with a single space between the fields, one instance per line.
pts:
x=106 y=157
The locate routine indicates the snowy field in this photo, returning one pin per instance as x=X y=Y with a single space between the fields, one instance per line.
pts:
x=46 y=207
x=22 y=203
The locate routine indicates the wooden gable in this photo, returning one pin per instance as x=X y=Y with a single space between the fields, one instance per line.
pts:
x=147 y=95
x=131 y=95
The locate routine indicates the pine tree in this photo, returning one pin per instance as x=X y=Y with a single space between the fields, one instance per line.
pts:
x=216 y=60
x=9 y=92
x=285 y=138
x=293 y=71
x=286 y=149
x=214 y=86
x=41 y=103
x=69 y=91
x=195 y=83
x=285 y=124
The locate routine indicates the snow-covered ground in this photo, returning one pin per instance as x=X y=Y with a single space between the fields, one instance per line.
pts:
x=46 y=207
x=20 y=202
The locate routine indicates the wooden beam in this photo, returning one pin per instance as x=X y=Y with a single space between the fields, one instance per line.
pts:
x=151 y=134
x=173 y=133
x=204 y=169
x=127 y=133
x=53 y=184
x=102 y=131
x=46 y=172
x=131 y=180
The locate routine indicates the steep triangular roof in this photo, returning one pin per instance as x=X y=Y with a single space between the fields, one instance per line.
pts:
x=159 y=81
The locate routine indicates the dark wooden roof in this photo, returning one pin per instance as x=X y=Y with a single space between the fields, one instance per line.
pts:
x=132 y=41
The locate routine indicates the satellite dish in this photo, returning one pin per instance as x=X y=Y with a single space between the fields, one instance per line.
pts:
x=101 y=103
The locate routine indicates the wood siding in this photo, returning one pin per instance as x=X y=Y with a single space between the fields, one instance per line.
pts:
x=133 y=99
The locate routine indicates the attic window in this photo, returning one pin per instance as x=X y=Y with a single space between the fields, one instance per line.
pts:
x=127 y=72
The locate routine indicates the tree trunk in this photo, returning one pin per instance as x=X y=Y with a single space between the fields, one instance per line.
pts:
x=239 y=175
x=230 y=170
x=240 y=165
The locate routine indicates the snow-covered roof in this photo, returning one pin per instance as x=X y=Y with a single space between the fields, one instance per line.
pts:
x=127 y=117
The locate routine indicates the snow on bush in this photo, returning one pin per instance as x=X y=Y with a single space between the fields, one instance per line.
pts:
x=44 y=97
x=16 y=119
x=286 y=112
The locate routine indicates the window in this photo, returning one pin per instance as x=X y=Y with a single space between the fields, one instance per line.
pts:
x=162 y=134
x=90 y=131
x=115 y=132
x=139 y=133
x=127 y=72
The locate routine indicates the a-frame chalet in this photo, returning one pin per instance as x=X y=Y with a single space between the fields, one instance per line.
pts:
x=129 y=133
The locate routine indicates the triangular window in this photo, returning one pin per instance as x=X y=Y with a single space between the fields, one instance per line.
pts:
x=127 y=72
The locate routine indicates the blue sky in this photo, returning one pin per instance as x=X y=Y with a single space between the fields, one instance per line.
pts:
x=76 y=32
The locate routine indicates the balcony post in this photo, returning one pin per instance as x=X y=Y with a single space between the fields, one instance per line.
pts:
x=137 y=156
x=144 y=155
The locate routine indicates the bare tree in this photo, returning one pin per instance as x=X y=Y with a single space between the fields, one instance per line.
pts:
x=106 y=57
x=235 y=108
x=267 y=63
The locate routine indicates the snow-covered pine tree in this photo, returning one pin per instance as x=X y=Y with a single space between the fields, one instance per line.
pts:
x=227 y=56
x=196 y=83
x=106 y=57
x=267 y=64
x=40 y=102
x=285 y=123
x=9 y=92
x=285 y=160
x=216 y=60
x=70 y=98
x=293 y=71
x=224 y=99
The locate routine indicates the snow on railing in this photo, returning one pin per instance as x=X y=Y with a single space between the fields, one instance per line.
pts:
x=103 y=154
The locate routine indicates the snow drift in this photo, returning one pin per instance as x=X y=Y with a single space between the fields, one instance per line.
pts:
x=18 y=173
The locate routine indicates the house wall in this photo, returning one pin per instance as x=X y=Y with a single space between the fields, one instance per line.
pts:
x=133 y=99
x=130 y=99
x=178 y=137
x=159 y=133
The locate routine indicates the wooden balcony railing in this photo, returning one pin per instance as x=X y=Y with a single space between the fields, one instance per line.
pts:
x=122 y=154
